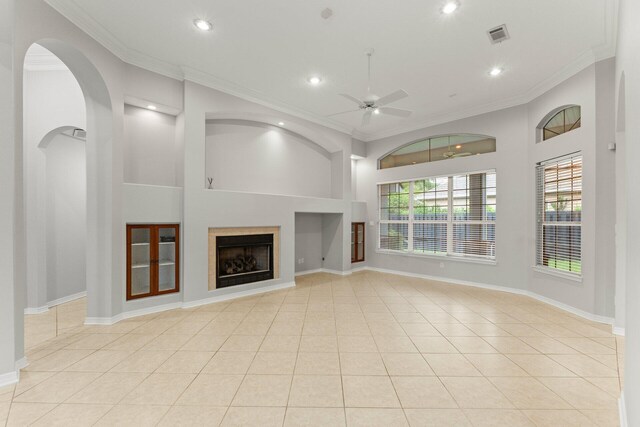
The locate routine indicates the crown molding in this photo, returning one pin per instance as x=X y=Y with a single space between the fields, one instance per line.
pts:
x=74 y=13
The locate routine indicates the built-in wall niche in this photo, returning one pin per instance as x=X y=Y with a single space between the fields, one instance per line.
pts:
x=261 y=158
x=152 y=147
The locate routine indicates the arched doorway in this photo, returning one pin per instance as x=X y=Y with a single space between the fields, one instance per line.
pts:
x=98 y=186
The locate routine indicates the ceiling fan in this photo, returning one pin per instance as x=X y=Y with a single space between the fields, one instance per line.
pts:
x=374 y=105
x=450 y=154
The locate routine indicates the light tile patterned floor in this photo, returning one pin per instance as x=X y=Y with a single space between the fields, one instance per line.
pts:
x=365 y=350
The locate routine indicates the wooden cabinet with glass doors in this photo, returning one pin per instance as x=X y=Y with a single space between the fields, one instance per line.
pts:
x=153 y=260
x=357 y=241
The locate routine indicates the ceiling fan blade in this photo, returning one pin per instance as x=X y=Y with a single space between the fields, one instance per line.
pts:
x=351 y=98
x=342 y=112
x=366 y=118
x=392 y=97
x=395 y=111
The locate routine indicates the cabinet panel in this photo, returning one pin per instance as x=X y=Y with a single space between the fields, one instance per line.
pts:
x=357 y=242
x=152 y=260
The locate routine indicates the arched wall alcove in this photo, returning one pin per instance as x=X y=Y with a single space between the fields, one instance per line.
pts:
x=100 y=252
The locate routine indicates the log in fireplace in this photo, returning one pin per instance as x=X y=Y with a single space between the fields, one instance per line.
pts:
x=243 y=259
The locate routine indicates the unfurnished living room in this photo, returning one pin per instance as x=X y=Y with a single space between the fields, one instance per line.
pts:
x=320 y=213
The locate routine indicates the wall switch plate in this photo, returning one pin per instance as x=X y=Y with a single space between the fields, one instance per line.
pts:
x=442 y=265
x=300 y=260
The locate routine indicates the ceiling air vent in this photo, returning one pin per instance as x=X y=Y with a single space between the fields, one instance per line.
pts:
x=498 y=34
x=80 y=133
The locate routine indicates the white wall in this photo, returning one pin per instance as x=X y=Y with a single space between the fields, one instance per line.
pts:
x=66 y=201
x=260 y=158
x=152 y=151
x=51 y=99
x=628 y=63
x=308 y=242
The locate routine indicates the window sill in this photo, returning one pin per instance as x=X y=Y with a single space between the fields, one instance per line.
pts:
x=560 y=274
x=440 y=257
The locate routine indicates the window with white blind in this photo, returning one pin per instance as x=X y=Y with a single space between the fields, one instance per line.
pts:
x=559 y=214
x=447 y=216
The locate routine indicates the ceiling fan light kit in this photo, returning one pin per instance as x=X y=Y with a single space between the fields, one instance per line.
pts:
x=375 y=105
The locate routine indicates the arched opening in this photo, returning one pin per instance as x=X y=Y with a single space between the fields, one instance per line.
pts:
x=559 y=121
x=68 y=181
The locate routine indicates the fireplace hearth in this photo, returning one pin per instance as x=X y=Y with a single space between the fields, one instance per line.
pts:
x=244 y=259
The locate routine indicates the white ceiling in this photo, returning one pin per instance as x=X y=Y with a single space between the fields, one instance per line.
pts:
x=265 y=50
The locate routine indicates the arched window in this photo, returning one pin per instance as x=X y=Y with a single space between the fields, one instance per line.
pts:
x=437 y=148
x=565 y=120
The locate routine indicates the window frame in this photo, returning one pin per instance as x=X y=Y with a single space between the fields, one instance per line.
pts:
x=542 y=126
x=450 y=222
x=540 y=203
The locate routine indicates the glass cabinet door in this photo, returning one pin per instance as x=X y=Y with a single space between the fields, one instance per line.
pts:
x=140 y=259
x=167 y=259
x=357 y=241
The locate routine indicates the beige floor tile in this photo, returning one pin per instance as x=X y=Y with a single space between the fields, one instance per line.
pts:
x=93 y=341
x=539 y=365
x=22 y=414
x=406 y=364
x=510 y=345
x=100 y=361
x=316 y=391
x=548 y=345
x=528 y=393
x=58 y=388
x=362 y=364
x=498 y=418
x=167 y=342
x=242 y=343
x=73 y=415
x=357 y=344
x=186 y=416
x=587 y=346
x=555 y=418
x=143 y=361
x=314 y=417
x=475 y=393
x=249 y=417
x=211 y=390
x=472 y=345
x=159 y=389
x=58 y=360
x=281 y=343
x=369 y=392
x=395 y=344
x=229 y=363
x=319 y=327
x=368 y=417
x=454 y=330
x=263 y=390
x=451 y=365
x=610 y=385
x=30 y=379
x=603 y=417
x=185 y=362
x=318 y=364
x=420 y=330
x=110 y=388
x=207 y=343
x=318 y=344
x=273 y=363
x=133 y=415
x=422 y=392
x=580 y=393
x=437 y=418
x=495 y=365
x=584 y=366
x=129 y=342
x=435 y=345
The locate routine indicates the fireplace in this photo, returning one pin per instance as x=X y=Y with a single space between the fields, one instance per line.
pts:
x=243 y=259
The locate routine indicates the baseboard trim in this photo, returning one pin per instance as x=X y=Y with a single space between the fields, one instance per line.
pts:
x=9 y=378
x=618 y=330
x=546 y=300
x=234 y=295
x=306 y=272
x=339 y=273
x=55 y=302
x=622 y=411
x=22 y=363
x=106 y=321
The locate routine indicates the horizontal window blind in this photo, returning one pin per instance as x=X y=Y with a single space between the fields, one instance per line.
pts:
x=559 y=214
x=450 y=215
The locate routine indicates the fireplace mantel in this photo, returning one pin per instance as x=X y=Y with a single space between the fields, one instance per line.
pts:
x=214 y=233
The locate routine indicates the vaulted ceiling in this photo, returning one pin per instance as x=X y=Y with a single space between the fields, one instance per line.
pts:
x=266 y=50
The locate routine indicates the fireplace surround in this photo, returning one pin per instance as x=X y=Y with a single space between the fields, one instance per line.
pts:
x=243 y=255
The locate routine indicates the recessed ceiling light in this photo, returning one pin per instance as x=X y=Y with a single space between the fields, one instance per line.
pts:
x=152 y=107
x=495 y=71
x=314 y=80
x=376 y=111
x=203 y=25
x=280 y=123
x=450 y=7
x=458 y=146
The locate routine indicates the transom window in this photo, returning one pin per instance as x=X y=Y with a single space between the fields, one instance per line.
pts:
x=438 y=148
x=447 y=216
x=559 y=214
x=563 y=121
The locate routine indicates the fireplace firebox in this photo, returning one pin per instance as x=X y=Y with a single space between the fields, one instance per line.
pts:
x=243 y=259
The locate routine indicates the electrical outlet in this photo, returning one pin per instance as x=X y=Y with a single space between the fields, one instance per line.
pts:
x=442 y=265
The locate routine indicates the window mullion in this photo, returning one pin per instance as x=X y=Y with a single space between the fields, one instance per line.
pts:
x=450 y=216
x=410 y=227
